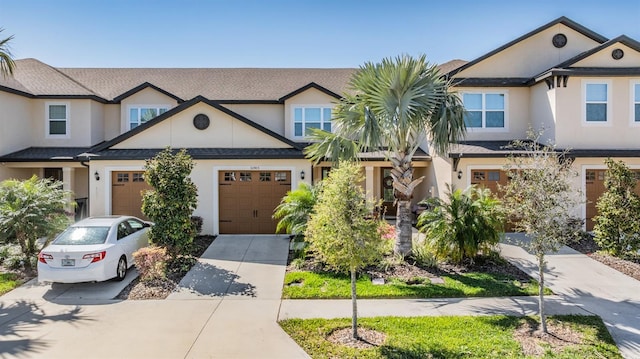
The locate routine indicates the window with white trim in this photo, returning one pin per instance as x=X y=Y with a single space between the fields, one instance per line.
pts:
x=635 y=111
x=308 y=117
x=57 y=119
x=139 y=115
x=485 y=110
x=596 y=102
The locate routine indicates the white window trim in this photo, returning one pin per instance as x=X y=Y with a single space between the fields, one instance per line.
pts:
x=583 y=103
x=632 y=107
x=293 y=117
x=506 y=111
x=67 y=120
x=127 y=125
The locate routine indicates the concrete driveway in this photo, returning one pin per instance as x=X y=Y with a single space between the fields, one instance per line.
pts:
x=226 y=308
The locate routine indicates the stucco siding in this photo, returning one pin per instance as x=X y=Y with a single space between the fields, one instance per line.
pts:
x=309 y=97
x=531 y=56
x=224 y=131
x=573 y=132
x=603 y=58
x=15 y=122
x=79 y=124
x=97 y=122
x=269 y=116
x=146 y=97
x=543 y=103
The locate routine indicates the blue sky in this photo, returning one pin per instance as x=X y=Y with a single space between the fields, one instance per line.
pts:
x=286 y=33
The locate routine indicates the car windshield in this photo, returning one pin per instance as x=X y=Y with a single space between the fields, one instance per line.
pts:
x=82 y=236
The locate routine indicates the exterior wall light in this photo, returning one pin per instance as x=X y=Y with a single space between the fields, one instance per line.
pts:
x=97 y=176
x=302 y=174
x=459 y=174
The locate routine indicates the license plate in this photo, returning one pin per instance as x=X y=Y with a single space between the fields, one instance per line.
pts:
x=68 y=262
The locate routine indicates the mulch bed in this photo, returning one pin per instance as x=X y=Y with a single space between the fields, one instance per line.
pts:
x=367 y=338
x=535 y=343
x=161 y=288
x=629 y=266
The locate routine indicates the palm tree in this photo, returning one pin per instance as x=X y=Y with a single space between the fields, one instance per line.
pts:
x=469 y=223
x=7 y=65
x=392 y=107
x=294 y=210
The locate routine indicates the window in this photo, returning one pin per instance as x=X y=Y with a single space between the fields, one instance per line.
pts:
x=122 y=177
x=57 y=115
x=494 y=176
x=135 y=225
x=229 y=176
x=635 y=93
x=305 y=118
x=281 y=176
x=139 y=115
x=138 y=177
x=485 y=110
x=245 y=176
x=596 y=107
x=265 y=176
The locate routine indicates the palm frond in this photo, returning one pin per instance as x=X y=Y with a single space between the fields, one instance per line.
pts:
x=7 y=65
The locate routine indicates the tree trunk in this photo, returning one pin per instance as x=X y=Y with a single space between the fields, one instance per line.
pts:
x=403 y=186
x=354 y=305
x=403 y=243
x=543 y=319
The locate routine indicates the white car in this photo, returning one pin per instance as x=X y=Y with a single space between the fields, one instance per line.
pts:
x=94 y=249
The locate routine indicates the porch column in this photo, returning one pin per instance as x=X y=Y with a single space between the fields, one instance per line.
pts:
x=68 y=179
x=368 y=184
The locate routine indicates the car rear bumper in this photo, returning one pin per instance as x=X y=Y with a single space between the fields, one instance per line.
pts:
x=97 y=272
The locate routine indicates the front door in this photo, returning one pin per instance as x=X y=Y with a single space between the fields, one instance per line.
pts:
x=386 y=189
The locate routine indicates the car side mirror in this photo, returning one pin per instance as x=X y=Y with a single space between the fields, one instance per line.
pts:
x=146 y=225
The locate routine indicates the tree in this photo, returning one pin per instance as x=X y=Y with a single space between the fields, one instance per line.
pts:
x=7 y=65
x=342 y=232
x=172 y=201
x=30 y=210
x=392 y=106
x=294 y=210
x=470 y=222
x=617 y=225
x=540 y=198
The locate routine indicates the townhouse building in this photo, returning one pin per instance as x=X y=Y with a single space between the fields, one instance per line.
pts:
x=93 y=128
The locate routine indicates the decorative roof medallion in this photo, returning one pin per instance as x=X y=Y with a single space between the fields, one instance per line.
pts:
x=201 y=121
x=617 y=54
x=559 y=40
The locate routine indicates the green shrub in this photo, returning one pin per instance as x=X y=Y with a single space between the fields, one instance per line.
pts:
x=468 y=224
x=172 y=201
x=295 y=208
x=617 y=225
x=151 y=262
x=423 y=255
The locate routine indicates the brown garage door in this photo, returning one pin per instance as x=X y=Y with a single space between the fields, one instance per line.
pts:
x=247 y=200
x=126 y=197
x=594 y=188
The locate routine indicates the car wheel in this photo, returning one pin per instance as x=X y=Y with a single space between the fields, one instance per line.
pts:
x=121 y=270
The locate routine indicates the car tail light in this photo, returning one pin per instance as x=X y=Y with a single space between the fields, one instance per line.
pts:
x=42 y=257
x=95 y=257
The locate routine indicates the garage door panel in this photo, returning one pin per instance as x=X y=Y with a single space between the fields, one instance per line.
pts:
x=247 y=200
x=126 y=193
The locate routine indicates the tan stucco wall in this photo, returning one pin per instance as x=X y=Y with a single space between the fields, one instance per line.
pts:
x=204 y=175
x=543 y=109
x=619 y=133
x=531 y=56
x=97 y=122
x=309 y=97
x=438 y=175
x=17 y=173
x=269 y=116
x=517 y=114
x=80 y=132
x=148 y=96
x=224 y=132
x=15 y=122
x=603 y=58
x=112 y=126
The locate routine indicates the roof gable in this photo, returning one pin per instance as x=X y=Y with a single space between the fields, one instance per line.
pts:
x=143 y=86
x=311 y=85
x=184 y=107
x=516 y=58
x=602 y=56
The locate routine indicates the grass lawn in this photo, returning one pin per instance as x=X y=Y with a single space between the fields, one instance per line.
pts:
x=8 y=281
x=447 y=337
x=307 y=285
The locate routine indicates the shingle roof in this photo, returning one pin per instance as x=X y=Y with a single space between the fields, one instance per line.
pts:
x=481 y=149
x=32 y=154
x=34 y=77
